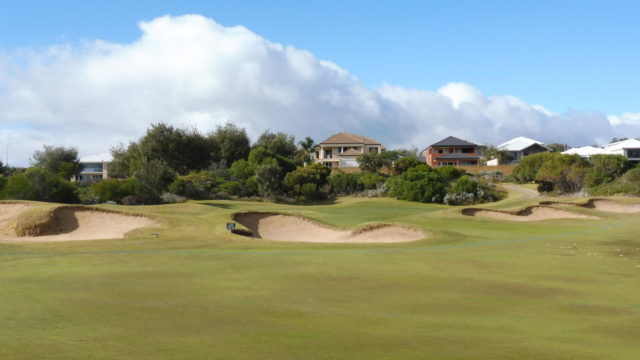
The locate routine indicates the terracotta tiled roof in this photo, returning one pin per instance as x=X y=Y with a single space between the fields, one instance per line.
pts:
x=351 y=152
x=348 y=138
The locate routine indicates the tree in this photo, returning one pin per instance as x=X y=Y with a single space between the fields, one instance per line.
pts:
x=232 y=143
x=565 y=172
x=154 y=177
x=41 y=185
x=606 y=168
x=278 y=143
x=420 y=183
x=308 y=183
x=344 y=183
x=58 y=160
x=491 y=152
x=405 y=163
x=269 y=179
x=307 y=145
x=529 y=166
x=370 y=162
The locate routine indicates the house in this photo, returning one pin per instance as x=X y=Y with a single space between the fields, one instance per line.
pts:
x=451 y=151
x=521 y=146
x=94 y=168
x=629 y=148
x=341 y=150
x=587 y=151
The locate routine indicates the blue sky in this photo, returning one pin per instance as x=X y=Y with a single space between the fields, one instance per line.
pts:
x=92 y=74
x=560 y=54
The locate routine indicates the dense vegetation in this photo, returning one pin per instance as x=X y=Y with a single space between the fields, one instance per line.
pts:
x=171 y=164
x=564 y=174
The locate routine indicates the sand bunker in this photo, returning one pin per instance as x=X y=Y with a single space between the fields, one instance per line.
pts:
x=531 y=213
x=280 y=227
x=79 y=223
x=9 y=211
x=602 y=205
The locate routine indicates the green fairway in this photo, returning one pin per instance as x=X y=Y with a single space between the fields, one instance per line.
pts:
x=473 y=289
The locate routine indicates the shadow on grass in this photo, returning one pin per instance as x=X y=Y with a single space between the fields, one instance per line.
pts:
x=219 y=206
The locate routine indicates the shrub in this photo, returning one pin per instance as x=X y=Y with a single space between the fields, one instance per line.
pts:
x=345 y=184
x=465 y=185
x=606 y=168
x=529 y=166
x=450 y=173
x=230 y=188
x=41 y=185
x=371 y=181
x=420 y=183
x=401 y=165
x=169 y=198
x=196 y=185
x=565 y=172
x=114 y=189
x=308 y=183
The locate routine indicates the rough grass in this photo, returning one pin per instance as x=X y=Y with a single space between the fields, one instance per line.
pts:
x=475 y=289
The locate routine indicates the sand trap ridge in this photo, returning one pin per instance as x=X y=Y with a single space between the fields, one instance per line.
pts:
x=281 y=227
x=531 y=213
x=9 y=211
x=602 y=205
x=80 y=223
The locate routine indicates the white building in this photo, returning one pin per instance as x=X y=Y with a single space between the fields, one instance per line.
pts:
x=629 y=148
x=94 y=167
x=521 y=146
x=587 y=151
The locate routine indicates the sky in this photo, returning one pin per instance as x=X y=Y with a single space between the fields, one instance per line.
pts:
x=407 y=73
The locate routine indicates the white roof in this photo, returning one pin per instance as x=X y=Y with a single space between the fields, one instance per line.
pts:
x=624 y=144
x=519 y=143
x=587 y=151
x=106 y=157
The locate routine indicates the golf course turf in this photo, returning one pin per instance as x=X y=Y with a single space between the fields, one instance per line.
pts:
x=473 y=288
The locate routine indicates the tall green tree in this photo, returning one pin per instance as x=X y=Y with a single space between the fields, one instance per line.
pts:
x=58 y=160
x=278 y=143
x=232 y=143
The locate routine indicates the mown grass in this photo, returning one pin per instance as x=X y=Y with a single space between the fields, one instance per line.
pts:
x=474 y=289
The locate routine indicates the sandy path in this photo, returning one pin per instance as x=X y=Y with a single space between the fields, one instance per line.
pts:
x=531 y=213
x=290 y=228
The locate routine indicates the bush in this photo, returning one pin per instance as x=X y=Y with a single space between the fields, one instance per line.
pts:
x=565 y=172
x=420 y=183
x=606 y=168
x=40 y=185
x=345 y=184
x=401 y=165
x=371 y=181
x=269 y=179
x=529 y=166
x=230 y=188
x=308 y=183
x=196 y=185
x=450 y=173
x=114 y=189
x=465 y=185
x=629 y=183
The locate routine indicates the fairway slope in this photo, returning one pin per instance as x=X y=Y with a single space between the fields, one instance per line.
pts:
x=530 y=213
x=602 y=205
x=281 y=227
x=66 y=223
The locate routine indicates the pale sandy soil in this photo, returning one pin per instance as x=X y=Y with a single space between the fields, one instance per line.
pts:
x=290 y=228
x=85 y=224
x=532 y=213
x=613 y=206
x=9 y=211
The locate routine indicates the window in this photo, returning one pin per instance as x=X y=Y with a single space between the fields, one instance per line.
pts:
x=317 y=154
x=327 y=153
x=373 y=149
x=468 y=150
x=440 y=151
x=633 y=153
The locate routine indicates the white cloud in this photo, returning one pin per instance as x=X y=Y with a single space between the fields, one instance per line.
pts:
x=191 y=71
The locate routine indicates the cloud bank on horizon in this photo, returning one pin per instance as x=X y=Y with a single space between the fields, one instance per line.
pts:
x=190 y=71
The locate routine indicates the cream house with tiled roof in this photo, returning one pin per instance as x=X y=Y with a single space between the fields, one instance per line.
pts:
x=341 y=150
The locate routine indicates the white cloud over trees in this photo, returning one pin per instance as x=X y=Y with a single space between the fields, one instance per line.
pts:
x=190 y=71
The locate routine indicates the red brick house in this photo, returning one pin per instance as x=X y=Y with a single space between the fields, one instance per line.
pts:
x=452 y=151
